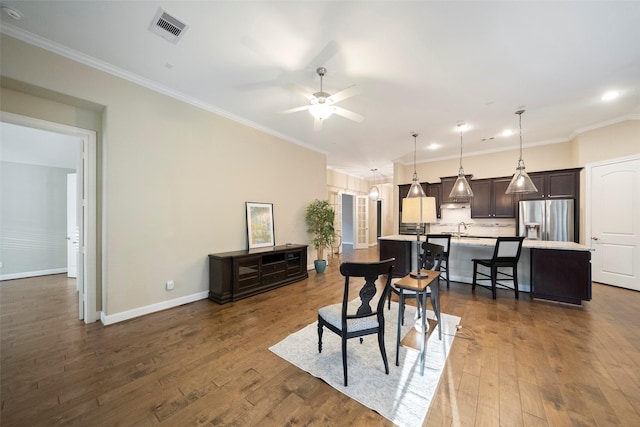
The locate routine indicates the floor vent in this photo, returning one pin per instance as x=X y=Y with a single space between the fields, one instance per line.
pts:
x=167 y=27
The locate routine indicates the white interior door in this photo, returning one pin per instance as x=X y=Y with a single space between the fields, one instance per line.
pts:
x=614 y=226
x=362 y=222
x=72 y=226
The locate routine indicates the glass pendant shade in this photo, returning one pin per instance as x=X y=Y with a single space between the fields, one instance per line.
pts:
x=461 y=188
x=416 y=189
x=521 y=182
x=374 y=193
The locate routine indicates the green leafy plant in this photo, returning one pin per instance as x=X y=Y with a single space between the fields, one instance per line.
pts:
x=319 y=218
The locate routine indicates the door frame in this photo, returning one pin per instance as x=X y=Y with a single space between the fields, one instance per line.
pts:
x=87 y=171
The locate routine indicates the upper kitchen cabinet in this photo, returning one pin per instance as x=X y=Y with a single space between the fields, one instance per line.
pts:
x=489 y=199
x=434 y=190
x=559 y=184
x=431 y=190
x=447 y=185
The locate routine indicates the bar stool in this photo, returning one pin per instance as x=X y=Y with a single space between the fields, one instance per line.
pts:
x=443 y=240
x=505 y=255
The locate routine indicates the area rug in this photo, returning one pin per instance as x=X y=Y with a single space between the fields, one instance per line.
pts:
x=403 y=396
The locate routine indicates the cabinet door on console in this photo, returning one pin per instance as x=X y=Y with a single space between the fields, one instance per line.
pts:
x=247 y=274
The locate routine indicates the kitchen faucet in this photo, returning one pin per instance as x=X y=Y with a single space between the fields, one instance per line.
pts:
x=459 y=224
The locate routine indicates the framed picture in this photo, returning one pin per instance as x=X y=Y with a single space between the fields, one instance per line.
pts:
x=260 y=232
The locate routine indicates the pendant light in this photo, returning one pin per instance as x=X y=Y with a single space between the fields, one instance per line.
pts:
x=418 y=209
x=416 y=189
x=521 y=183
x=374 y=193
x=461 y=188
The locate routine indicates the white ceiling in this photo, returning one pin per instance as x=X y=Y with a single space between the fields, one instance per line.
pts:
x=419 y=66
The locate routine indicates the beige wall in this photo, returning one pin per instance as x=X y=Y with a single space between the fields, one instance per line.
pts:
x=175 y=178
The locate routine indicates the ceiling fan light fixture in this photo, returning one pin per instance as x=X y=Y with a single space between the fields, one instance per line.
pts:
x=521 y=182
x=461 y=188
x=321 y=110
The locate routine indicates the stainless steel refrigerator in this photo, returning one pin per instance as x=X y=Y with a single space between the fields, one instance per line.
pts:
x=550 y=219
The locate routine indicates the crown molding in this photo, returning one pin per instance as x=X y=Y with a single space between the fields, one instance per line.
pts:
x=51 y=46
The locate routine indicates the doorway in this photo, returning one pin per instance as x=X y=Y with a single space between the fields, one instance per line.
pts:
x=85 y=207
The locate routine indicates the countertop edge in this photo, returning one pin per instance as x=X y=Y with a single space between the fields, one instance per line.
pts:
x=491 y=241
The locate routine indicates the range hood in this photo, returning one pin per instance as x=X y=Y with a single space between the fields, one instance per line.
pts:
x=465 y=205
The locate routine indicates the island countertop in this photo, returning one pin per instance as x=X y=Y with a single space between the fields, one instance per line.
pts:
x=491 y=241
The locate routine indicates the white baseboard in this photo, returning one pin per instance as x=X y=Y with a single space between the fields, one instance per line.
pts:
x=148 y=309
x=32 y=274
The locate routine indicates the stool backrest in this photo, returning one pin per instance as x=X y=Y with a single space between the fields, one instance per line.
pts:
x=508 y=249
x=443 y=240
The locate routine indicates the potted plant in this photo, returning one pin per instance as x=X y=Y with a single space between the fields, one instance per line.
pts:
x=319 y=218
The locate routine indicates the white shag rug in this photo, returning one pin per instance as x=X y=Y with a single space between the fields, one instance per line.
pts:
x=403 y=396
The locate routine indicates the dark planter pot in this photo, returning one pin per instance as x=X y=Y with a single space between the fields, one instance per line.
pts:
x=320 y=265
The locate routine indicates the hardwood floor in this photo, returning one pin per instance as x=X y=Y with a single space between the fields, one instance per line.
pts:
x=514 y=363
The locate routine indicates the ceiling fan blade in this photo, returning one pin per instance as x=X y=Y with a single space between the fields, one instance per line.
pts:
x=344 y=94
x=304 y=91
x=317 y=125
x=294 y=110
x=321 y=59
x=348 y=114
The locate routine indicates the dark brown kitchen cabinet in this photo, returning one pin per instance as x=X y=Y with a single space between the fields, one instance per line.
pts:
x=560 y=184
x=434 y=190
x=447 y=185
x=489 y=199
x=431 y=190
x=561 y=275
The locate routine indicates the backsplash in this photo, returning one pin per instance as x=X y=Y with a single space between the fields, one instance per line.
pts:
x=475 y=226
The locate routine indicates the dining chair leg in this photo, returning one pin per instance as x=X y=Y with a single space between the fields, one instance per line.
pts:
x=383 y=352
x=515 y=281
x=475 y=271
x=494 y=278
x=344 y=359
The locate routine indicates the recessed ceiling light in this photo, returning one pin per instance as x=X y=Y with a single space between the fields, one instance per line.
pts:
x=507 y=132
x=433 y=146
x=462 y=127
x=610 y=96
x=12 y=13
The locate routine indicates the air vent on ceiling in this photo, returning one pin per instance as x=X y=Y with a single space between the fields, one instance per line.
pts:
x=167 y=27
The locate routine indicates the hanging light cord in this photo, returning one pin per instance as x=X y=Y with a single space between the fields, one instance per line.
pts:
x=415 y=148
x=519 y=113
x=460 y=127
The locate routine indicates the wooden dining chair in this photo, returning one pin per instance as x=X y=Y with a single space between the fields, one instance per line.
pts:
x=364 y=315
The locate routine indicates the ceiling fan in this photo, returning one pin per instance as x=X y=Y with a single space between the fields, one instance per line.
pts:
x=322 y=104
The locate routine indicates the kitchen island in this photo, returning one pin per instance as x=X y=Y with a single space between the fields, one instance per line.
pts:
x=558 y=271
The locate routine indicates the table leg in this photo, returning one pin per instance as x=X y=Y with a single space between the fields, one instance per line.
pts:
x=435 y=303
x=423 y=345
